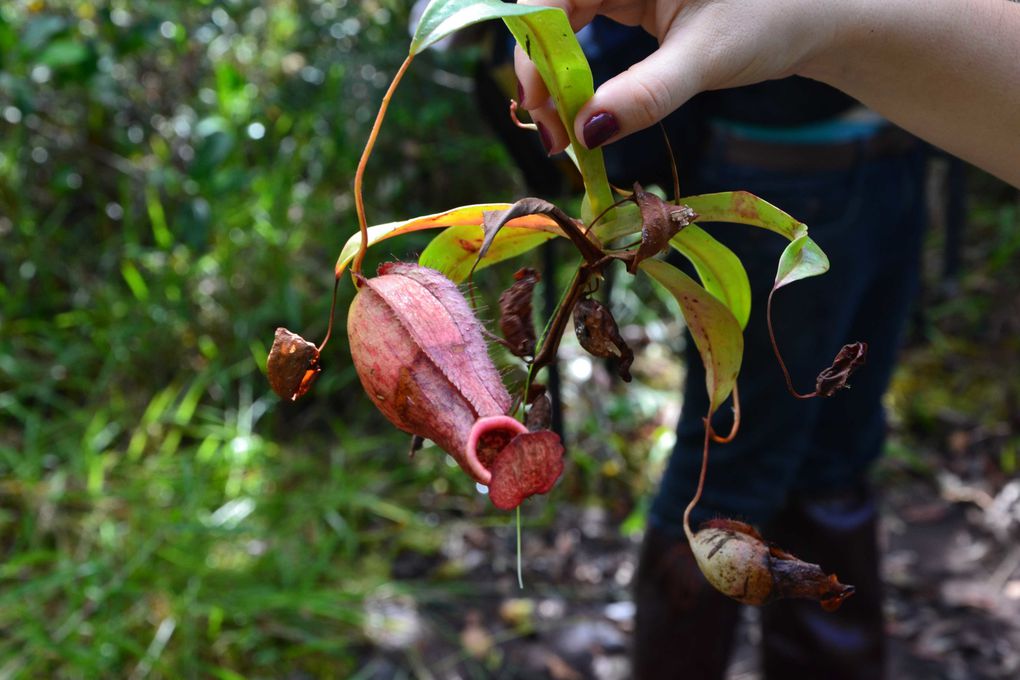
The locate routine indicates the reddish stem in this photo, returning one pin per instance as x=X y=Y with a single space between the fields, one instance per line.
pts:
x=517 y=121
x=332 y=315
x=602 y=214
x=672 y=165
x=551 y=343
x=736 y=421
x=779 y=357
x=701 y=476
x=359 y=176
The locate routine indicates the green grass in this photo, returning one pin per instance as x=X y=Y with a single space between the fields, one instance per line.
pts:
x=175 y=183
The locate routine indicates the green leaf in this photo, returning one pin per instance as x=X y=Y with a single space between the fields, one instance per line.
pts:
x=545 y=35
x=625 y=219
x=801 y=259
x=719 y=269
x=444 y=17
x=715 y=330
x=454 y=251
x=742 y=207
x=465 y=215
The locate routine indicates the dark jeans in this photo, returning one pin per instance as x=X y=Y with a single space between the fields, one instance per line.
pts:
x=869 y=220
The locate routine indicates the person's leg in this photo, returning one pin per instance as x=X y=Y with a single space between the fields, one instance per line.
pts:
x=799 y=638
x=684 y=628
x=831 y=518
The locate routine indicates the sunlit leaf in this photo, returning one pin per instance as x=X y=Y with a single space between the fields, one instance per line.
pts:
x=545 y=35
x=455 y=250
x=444 y=17
x=464 y=215
x=742 y=207
x=715 y=330
x=719 y=269
x=801 y=259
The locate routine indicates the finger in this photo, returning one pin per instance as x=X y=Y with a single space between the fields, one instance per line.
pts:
x=579 y=12
x=550 y=128
x=531 y=90
x=644 y=94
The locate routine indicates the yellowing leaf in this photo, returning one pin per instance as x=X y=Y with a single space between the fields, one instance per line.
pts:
x=455 y=250
x=464 y=215
x=742 y=207
x=715 y=330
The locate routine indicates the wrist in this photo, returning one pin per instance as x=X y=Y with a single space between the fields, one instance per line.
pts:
x=845 y=29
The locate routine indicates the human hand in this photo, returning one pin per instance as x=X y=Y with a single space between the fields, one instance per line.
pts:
x=703 y=45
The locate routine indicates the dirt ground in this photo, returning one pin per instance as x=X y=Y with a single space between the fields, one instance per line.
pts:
x=951 y=567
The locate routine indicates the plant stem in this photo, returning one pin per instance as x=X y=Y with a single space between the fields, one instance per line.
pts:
x=736 y=421
x=779 y=357
x=359 y=176
x=551 y=340
x=332 y=314
x=701 y=476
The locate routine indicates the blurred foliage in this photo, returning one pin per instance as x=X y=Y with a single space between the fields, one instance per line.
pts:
x=174 y=183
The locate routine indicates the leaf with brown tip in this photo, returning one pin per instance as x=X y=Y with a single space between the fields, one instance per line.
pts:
x=494 y=221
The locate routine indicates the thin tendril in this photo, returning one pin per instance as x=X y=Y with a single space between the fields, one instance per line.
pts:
x=517 y=121
x=602 y=214
x=779 y=357
x=672 y=165
x=332 y=314
x=359 y=176
x=736 y=421
x=701 y=476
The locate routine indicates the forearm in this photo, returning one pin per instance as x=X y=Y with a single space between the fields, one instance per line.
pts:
x=947 y=70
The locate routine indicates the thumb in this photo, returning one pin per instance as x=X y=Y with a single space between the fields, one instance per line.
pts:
x=642 y=95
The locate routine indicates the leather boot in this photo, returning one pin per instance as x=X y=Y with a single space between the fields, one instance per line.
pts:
x=683 y=627
x=799 y=639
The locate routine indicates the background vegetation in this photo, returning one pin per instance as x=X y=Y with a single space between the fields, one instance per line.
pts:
x=174 y=184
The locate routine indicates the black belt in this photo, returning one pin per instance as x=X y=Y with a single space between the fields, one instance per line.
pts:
x=888 y=141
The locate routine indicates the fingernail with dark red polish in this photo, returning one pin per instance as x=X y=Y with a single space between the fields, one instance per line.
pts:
x=543 y=134
x=599 y=129
x=520 y=94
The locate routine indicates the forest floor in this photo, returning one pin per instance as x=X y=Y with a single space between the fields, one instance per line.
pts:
x=952 y=575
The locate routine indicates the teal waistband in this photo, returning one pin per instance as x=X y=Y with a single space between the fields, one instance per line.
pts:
x=826 y=132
